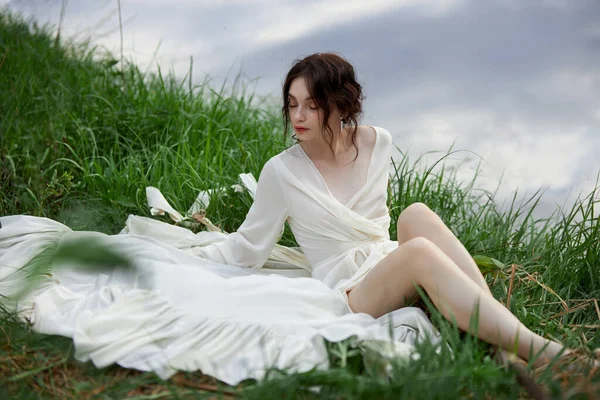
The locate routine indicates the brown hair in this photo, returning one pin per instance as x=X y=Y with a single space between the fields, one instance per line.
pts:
x=330 y=80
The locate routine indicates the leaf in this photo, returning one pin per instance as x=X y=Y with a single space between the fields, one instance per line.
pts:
x=488 y=265
x=125 y=202
x=83 y=252
x=110 y=63
x=34 y=272
x=90 y=252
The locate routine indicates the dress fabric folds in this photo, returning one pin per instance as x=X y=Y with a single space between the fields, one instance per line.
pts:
x=231 y=305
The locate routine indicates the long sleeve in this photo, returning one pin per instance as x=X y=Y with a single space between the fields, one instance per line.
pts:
x=252 y=243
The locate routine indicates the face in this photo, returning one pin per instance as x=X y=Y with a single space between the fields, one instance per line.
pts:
x=304 y=112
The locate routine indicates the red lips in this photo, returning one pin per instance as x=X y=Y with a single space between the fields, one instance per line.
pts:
x=300 y=128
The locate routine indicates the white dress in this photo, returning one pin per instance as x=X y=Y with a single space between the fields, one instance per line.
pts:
x=230 y=305
x=342 y=242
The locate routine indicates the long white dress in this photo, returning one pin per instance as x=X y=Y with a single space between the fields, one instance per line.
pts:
x=230 y=305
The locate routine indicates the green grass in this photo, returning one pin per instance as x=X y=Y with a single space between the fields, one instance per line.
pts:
x=79 y=145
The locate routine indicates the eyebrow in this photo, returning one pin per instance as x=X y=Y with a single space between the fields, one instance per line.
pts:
x=310 y=98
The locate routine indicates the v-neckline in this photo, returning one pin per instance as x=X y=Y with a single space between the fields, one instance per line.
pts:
x=347 y=205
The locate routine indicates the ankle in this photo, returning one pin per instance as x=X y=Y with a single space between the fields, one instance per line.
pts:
x=545 y=355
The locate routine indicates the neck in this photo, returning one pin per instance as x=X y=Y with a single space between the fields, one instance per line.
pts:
x=341 y=142
x=319 y=148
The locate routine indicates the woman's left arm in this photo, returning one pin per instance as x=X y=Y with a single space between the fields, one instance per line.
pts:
x=252 y=243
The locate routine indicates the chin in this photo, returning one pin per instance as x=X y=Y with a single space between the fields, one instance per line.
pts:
x=305 y=136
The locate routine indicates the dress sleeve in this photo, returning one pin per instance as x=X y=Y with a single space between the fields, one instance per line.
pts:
x=252 y=243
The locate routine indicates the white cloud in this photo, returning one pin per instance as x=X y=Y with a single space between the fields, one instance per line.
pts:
x=514 y=81
x=216 y=32
x=563 y=5
x=530 y=156
x=566 y=84
x=285 y=22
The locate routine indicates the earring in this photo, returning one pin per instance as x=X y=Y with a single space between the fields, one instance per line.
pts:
x=341 y=125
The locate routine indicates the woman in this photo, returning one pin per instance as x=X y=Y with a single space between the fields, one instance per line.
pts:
x=346 y=168
x=321 y=94
x=188 y=305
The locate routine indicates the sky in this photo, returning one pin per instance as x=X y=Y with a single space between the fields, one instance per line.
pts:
x=512 y=84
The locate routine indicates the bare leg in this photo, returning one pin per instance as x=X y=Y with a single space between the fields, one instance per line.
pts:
x=420 y=262
x=418 y=220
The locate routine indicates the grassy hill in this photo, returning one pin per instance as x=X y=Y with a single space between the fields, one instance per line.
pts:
x=82 y=136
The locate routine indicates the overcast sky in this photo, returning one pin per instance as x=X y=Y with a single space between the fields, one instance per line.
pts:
x=515 y=81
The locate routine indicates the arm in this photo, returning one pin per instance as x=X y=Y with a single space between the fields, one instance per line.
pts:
x=252 y=243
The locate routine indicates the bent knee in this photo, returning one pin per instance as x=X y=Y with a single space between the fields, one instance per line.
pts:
x=411 y=218
x=415 y=210
x=416 y=255
x=418 y=245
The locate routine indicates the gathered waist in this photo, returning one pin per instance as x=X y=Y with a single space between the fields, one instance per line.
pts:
x=351 y=249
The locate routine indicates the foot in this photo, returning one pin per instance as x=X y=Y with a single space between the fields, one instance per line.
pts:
x=572 y=360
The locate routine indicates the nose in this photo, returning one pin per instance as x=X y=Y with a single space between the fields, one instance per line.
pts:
x=298 y=113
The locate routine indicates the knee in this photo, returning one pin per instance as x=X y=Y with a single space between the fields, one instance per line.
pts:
x=418 y=256
x=413 y=212
x=410 y=219
x=417 y=251
x=419 y=245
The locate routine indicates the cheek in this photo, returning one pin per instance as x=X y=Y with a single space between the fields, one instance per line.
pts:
x=319 y=115
x=333 y=121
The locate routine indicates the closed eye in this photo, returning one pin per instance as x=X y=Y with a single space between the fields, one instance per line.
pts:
x=312 y=108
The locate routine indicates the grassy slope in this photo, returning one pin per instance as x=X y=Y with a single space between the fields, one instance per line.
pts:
x=78 y=146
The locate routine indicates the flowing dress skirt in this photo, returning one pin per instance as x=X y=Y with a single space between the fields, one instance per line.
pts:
x=171 y=310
